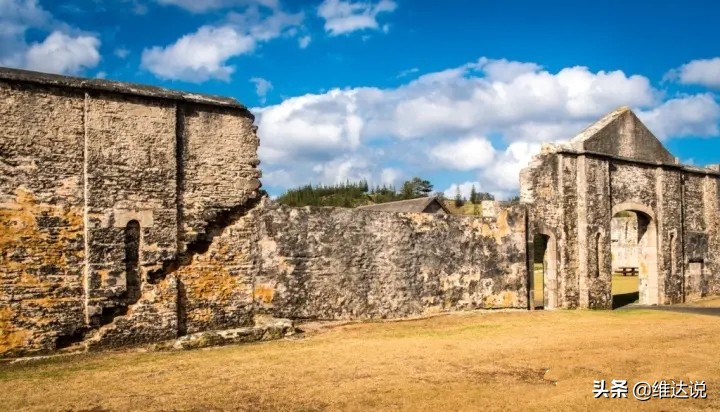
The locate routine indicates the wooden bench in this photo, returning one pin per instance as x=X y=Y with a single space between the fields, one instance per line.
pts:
x=625 y=270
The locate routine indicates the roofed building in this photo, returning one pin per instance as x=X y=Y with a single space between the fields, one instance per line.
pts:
x=420 y=205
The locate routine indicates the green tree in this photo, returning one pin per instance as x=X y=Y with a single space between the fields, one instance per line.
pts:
x=415 y=188
x=348 y=194
x=474 y=195
x=458 y=197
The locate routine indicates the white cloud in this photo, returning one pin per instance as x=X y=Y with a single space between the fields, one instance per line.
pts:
x=504 y=70
x=465 y=189
x=502 y=176
x=391 y=176
x=464 y=154
x=343 y=17
x=200 y=6
x=345 y=168
x=17 y=16
x=262 y=87
x=281 y=178
x=468 y=99
x=310 y=126
x=264 y=26
x=121 y=52
x=199 y=56
x=407 y=72
x=304 y=41
x=704 y=72
x=137 y=7
x=60 y=53
x=441 y=116
x=205 y=54
x=696 y=115
x=63 y=51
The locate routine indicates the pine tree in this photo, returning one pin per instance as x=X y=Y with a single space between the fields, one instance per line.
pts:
x=473 y=195
x=458 y=197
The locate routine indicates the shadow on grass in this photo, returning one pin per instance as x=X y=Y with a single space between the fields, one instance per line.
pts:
x=625 y=299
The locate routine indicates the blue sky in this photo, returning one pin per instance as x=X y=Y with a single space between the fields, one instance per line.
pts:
x=459 y=92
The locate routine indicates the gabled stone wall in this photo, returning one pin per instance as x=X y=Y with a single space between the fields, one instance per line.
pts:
x=573 y=191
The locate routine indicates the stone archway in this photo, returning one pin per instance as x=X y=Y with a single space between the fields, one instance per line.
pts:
x=642 y=254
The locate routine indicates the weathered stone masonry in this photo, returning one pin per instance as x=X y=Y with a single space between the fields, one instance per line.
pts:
x=130 y=214
x=347 y=264
x=81 y=162
x=574 y=190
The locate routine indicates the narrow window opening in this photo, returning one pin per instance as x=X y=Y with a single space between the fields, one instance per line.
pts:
x=132 y=260
x=598 y=255
x=673 y=261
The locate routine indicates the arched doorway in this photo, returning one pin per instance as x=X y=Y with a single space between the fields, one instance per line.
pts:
x=633 y=235
x=544 y=272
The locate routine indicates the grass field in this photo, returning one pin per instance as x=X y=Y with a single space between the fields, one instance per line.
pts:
x=624 y=288
x=472 y=361
x=466 y=209
x=713 y=302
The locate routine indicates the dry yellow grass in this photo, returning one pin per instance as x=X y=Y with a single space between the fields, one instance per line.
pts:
x=466 y=209
x=621 y=285
x=624 y=284
x=538 y=285
x=713 y=302
x=543 y=360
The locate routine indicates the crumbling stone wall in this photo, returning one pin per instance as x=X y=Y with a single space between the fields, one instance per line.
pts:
x=573 y=190
x=131 y=214
x=80 y=160
x=325 y=263
x=41 y=216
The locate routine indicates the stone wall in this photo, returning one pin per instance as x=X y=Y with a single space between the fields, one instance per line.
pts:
x=131 y=214
x=81 y=162
x=329 y=263
x=573 y=190
x=335 y=263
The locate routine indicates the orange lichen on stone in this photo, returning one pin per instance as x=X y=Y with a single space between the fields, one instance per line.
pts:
x=263 y=293
x=509 y=299
x=19 y=228
x=11 y=338
x=209 y=283
x=503 y=228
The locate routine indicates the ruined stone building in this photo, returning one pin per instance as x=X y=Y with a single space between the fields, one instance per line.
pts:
x=574 y=190
x=131 y=214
